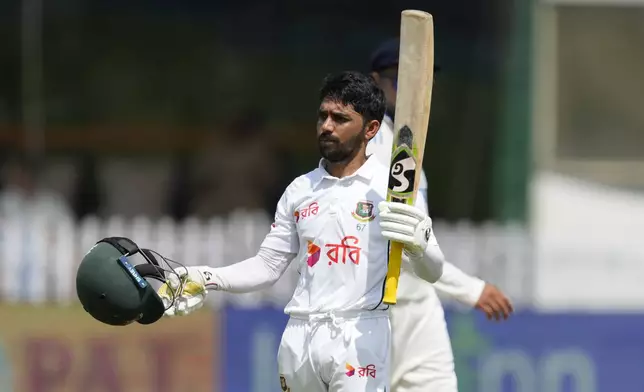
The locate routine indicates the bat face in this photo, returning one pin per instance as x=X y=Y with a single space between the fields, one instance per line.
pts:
x=402 y=174
x=413 y=101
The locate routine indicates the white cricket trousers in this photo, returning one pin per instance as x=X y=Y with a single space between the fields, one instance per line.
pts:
x=422 y=358
x=336 y=353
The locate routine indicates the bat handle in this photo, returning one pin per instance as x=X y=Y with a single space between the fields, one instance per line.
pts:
x=393 y=273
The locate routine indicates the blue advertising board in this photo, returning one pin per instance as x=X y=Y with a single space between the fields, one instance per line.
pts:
x=250 y=338
x=549 y=352
x=532 y=352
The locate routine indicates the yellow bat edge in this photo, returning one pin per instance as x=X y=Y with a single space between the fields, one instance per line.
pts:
x=415 y=78
x=393 y=273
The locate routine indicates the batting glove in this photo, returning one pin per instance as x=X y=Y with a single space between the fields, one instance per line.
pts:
x=406 y=224
x=185 y=290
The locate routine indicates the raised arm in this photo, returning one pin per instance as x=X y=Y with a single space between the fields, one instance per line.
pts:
x=412 y=226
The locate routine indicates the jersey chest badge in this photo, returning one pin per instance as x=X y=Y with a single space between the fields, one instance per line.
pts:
x=364 y=211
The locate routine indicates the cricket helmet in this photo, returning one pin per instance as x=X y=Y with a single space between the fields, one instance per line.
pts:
x=117 y=283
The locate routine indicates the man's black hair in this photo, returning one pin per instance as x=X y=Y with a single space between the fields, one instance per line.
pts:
x=357 y=90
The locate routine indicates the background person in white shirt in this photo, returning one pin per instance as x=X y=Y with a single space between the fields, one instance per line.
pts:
x=338 y=334
x=422 y=359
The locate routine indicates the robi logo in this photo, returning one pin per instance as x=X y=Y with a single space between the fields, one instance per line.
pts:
x=347 y=249
x=313 y=254
x=367 y=371
x=304 y=213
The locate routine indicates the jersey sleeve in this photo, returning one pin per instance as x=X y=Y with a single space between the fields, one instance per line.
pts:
x=252 y=274
x=452 y=282
x=459 y=285
x=283 y=236
x=427 y=265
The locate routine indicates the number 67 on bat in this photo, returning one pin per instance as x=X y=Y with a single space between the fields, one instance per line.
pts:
x=413 y=101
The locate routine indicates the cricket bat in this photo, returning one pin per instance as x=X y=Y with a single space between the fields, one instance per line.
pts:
x=413 y=101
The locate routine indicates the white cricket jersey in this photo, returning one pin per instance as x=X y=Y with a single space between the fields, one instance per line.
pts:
x=333 y=226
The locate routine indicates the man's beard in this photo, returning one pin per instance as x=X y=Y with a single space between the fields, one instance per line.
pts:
x=333 y=151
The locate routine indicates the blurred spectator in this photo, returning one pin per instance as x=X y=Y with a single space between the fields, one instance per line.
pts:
x=23 y=197
x=236 y=169
x=179 y=190
x=133 y=186
x=87 y=195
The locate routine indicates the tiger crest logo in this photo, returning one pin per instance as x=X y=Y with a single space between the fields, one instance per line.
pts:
x=364 y=211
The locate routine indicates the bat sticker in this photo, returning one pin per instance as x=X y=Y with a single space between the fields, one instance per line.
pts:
x=403 y=166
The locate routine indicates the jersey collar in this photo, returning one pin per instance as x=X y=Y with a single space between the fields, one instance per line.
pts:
x=389 y=122
x=364 y=173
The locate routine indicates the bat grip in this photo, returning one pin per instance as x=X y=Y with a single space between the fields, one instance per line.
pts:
x=393 y=273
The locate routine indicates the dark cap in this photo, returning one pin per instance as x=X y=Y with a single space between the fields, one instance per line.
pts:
x=113 y=283
x=386 y=56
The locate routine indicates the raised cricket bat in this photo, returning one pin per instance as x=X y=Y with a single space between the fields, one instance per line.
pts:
x=413 y=101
